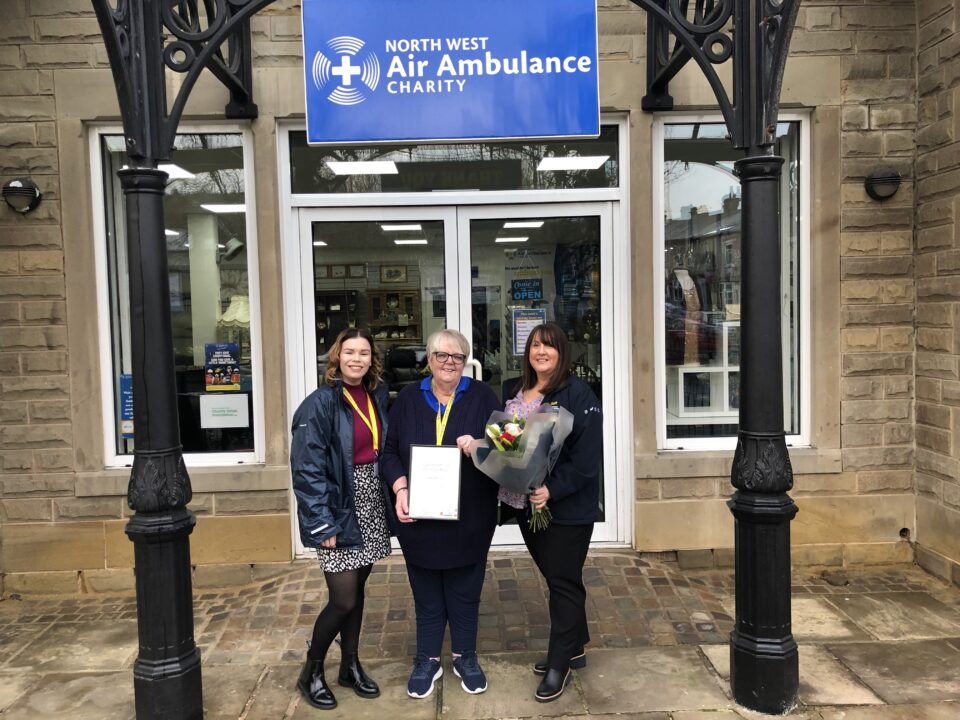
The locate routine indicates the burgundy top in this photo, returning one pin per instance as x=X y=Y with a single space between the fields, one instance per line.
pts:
x=363 y=452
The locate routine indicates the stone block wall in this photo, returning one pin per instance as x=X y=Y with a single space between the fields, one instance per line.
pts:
x=938 y=288
x=854 y=63
x=878 y=117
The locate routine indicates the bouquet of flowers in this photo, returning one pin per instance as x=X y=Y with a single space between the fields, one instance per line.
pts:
x=518 y=453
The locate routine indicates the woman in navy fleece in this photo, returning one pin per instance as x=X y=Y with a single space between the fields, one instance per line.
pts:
x=445 y=559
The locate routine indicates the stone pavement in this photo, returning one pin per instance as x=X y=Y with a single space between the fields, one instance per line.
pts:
x=875 y=644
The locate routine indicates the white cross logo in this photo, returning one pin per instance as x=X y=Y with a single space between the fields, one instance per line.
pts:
x=346 y=70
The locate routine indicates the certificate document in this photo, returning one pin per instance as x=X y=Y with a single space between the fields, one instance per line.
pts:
x=434 y=482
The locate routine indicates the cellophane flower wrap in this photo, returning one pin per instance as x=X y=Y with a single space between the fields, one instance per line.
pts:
x=532 y=455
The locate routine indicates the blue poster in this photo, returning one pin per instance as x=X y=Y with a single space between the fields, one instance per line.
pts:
x=126 y=406
x=524 y=289
x=380 y=71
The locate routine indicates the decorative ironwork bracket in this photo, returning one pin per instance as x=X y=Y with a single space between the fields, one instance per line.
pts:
x=754 y=33
x=144 y=38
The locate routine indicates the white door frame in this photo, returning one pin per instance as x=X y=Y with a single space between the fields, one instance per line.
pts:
x=300 y=332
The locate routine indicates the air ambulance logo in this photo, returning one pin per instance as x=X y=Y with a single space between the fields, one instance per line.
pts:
x=352 y=74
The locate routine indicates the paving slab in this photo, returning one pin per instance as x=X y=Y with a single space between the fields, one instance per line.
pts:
x=907 y=672
x=900 y=615
x=814 y=619
x=14 y=638
x=823 y=680
x=77 y=697
x=649 y=679
x=510 y=688
x=12 y=686
x=275 y=694
x=227 y=688
x=391 y=676
x=78 y=647
x=944 y=711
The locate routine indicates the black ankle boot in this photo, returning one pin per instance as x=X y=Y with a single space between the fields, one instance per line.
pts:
x=577 y=662
x=353 y=676
x=552 y=685
x=313 y=686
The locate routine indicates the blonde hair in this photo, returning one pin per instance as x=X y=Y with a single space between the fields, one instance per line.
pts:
x=433 y=342
x=373 y=376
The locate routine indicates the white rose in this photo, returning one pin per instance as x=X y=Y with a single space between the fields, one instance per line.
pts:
x=513 y=428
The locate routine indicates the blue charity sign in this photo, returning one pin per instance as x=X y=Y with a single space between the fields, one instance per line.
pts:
x=379 y=71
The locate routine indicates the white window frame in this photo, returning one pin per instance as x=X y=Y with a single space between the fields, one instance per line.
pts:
x=658 y=297
x=113 y=459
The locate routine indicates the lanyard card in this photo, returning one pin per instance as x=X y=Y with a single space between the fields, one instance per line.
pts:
x=434 y=482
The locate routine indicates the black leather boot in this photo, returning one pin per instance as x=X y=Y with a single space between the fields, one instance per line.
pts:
x=577 y=662
x=313 y=686
x=552 y=685
x=353 y=676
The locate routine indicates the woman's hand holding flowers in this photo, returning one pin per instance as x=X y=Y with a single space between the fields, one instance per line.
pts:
x=539 y=497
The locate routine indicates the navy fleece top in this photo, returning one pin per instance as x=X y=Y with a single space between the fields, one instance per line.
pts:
x=443 y=544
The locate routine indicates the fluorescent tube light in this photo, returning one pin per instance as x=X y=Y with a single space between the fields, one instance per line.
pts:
x=523 y=224
x=511 y=239
x=175 y=172
x=420 y=241
x=221 y=209
x=374 y=167
x=319 y=243
x=171 y=233
x=581 y=162
x=401 y=228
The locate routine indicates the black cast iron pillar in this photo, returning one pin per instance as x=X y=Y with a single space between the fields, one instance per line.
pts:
x=166 y=675
x=144 y=39
x=763 y=654
x=755 y=35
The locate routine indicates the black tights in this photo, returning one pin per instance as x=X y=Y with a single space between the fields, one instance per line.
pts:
x=343 y=613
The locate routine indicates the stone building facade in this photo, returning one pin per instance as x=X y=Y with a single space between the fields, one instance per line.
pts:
x=876 y=482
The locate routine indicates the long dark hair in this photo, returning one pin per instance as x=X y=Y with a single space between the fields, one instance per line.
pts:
x=549 y=333
x=372 y=378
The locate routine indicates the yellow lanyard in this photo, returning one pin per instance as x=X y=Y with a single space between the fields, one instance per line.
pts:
x=370 y=422
x=442 y=424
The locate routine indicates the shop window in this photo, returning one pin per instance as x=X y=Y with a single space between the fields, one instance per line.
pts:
x=701 y=270
x=212 y=299
x=552 y=165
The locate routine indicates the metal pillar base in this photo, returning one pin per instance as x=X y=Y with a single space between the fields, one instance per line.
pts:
x=764 y=668
x=166 y=675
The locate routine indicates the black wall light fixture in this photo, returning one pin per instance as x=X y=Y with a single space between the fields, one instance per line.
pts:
x=882 y=184
x=21 y=195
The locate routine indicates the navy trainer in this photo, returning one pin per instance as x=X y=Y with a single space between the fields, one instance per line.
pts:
x=425 y=673
x=467 y=668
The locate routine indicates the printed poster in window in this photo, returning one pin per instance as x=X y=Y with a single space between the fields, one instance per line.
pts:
x=524 y=321
x=222 y=362
x=126 y=406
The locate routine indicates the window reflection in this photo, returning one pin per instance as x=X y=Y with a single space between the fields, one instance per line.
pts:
x=478 y=166
x=205 y=231
x=702 y=272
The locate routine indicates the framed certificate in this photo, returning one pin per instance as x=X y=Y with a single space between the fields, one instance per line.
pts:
x=434 y=482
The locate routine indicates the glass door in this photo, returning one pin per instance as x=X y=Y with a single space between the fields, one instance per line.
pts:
x=390 y=270
x=526 y=264
x=491 y=272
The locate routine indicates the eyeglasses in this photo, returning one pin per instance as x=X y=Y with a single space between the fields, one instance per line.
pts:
x=457 y=358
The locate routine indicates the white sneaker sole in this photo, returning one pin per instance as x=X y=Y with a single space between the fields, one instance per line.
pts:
x=465 y=688
x=429 y=692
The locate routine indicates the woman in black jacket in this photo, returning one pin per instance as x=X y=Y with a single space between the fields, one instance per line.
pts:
x=571 y=491
x=338 y=432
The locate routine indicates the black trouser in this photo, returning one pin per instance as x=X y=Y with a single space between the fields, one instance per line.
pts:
x=442 y=596
x=559 y=552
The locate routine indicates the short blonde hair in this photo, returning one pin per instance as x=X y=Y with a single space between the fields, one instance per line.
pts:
x=433 y=342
